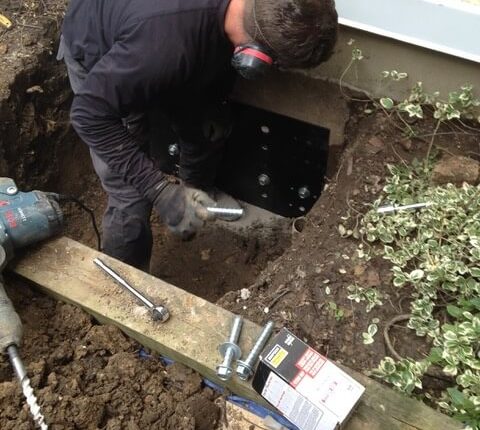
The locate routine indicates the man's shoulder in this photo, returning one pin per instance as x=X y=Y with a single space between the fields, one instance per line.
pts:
x=145 y=9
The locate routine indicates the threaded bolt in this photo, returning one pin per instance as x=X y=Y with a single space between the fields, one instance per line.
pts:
x=245 y=368
x=230 y=350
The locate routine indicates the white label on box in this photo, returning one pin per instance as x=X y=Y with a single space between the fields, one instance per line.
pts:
x=326 y=385
x=304 y=414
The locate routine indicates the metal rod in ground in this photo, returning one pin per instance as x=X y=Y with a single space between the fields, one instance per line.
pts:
x=388 y=209
x=26 y=387
x=159 y=313
x=225 y=211
x=245 y=367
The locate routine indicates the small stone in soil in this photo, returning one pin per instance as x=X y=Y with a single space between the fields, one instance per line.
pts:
x=245 y=293
x=456 y=169
x=375 y=145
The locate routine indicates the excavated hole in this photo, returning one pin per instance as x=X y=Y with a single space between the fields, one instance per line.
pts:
x=41 y=151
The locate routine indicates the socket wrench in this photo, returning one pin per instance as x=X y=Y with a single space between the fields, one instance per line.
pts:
x=159 y=313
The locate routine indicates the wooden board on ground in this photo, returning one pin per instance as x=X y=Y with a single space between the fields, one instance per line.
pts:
x=237 y=418
x=64 y=269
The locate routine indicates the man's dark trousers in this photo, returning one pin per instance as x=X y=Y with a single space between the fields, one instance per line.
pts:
x=127 y=234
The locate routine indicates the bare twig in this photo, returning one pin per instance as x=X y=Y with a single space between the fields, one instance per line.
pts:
x=398 y=155
x=386 y=336
x=439 y=122
x=280 y=293
x=341 y=84
x=29 y=26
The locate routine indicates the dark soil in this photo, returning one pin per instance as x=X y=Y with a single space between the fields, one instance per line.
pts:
x=88 y=376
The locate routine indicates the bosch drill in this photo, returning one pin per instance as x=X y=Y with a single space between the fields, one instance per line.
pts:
x=25 y=218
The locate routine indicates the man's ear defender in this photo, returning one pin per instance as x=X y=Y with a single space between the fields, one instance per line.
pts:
x=251 y=61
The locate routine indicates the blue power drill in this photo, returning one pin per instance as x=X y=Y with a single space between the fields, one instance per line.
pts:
x=25 y=218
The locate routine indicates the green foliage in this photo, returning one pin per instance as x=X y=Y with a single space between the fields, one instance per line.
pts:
x=435 y=255
x=405 y=375
x=462 y=407
x=459 y=104
x=368 y=336
x=357 y=54
x=370 y=295
x=336 y=311
x=394 y=75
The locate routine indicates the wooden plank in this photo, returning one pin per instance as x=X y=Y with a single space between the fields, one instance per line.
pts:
x=64 y=269
x=237 y=418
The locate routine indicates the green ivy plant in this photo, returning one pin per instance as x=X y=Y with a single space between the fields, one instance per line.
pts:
x=405 y=375
x=435 y=257
x=459 y=105
x=372 y=329
x=369 y=295
x=337 y=312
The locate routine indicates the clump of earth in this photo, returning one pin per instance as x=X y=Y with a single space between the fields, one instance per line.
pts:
x=90 y=376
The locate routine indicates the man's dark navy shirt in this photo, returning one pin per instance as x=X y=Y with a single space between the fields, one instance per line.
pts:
x=138 y=53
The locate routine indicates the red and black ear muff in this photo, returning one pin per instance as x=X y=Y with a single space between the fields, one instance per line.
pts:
x=251 y=61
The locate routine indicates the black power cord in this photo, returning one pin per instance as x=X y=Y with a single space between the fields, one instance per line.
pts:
x=69 y=199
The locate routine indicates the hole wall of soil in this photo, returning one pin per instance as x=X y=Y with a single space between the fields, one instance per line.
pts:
x=49 y=156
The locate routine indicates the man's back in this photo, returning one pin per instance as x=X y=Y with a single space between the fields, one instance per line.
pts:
x=190 y=28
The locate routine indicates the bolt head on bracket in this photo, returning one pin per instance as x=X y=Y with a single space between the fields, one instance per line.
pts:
x=224 y=372
x=244 y=371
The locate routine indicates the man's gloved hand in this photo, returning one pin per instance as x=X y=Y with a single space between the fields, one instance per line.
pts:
x=182 y=209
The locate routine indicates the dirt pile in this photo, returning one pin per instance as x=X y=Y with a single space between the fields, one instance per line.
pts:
x=88 y=376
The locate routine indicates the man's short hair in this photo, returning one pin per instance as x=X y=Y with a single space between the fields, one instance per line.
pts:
x=300 y=33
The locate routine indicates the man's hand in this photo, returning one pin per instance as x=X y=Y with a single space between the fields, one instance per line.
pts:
x=183 y=209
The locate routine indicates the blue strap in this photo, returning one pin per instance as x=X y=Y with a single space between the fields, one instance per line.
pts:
x=246 y=404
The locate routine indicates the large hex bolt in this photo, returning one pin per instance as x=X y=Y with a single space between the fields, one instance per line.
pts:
x=230 y=350
x=245 y=368
x=264 y=179
x=173 y=149
x=304 y=192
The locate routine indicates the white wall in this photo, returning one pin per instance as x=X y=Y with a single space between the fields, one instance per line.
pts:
x=448 y=26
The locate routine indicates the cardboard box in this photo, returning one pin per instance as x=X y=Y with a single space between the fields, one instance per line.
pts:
x=308 y=389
